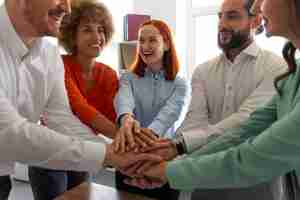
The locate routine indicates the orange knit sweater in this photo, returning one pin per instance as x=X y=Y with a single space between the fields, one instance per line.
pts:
x=86 y=104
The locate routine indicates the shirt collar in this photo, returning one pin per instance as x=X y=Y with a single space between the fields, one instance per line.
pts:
x=9 y=36
x=156 y=75
x=252 y=50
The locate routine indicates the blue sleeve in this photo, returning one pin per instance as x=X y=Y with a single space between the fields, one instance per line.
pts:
x=124 y=100
x=171 y=111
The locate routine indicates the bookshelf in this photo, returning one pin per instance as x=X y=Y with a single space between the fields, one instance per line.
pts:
x=127 y=53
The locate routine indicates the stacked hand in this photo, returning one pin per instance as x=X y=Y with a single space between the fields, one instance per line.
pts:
x=141 y=154
x=130 y=136
x=126 y=160
x=151 y=174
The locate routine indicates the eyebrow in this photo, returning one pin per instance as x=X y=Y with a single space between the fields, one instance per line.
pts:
x=88 y=25
x=230 y=12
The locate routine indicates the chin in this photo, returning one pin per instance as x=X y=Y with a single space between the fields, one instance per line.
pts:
x=53 y=32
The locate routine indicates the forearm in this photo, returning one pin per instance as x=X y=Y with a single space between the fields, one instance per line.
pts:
x=104 y=126
x=32 y=144
x=173 y=108
x=243 y=166
x=240 y=157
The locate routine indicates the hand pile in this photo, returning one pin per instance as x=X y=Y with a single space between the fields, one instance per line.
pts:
x=141 y=154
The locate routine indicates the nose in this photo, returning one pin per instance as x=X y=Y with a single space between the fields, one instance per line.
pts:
x=98 y=37
x=222 y=22
x=145 y=45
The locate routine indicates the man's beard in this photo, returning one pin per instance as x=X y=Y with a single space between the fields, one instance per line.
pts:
x=238 y=39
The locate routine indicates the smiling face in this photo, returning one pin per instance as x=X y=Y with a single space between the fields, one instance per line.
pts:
x=276 y=17
x=280 y=17
x=234 y=25
x=151 y=46
x=46 y=15
x=90 y=39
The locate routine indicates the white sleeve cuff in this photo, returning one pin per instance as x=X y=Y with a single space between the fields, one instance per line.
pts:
x=197 y=137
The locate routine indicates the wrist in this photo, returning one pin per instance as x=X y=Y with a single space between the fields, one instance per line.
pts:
x=126 y=118
x=180 y=145
x=174 y=151
x=164 y=171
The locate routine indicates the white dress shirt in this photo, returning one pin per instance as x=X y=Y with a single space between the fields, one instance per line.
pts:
x=32 y=83
x=224 y=93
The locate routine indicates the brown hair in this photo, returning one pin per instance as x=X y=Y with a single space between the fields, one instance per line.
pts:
x=90 y=10
x=170 y=59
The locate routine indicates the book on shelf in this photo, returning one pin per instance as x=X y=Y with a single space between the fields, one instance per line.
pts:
x=132 y=23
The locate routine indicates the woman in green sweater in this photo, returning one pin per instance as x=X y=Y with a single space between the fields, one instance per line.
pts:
x=265 y=146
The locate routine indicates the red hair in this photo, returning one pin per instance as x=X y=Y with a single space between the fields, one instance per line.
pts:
x=170 y=59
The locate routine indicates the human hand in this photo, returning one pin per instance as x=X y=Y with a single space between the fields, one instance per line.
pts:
x=163 y=147
x=153 y=177
x=130 y=136
x=124 y=136
x=143 y=183
x=124 y=161
x=146 y=138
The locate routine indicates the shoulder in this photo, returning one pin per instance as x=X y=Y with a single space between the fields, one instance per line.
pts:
x=68 y=60
x=181 y=81
x=49 y=47
x=128 y=75
x=272 y=63
x=107 y=70
x=204 y=68
x=50 y=55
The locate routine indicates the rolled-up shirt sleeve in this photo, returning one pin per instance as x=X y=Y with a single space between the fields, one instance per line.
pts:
x=171 y=111
x=61 y=119
x=262 y=148
x=124 y=101
x=29 y=143
x=195 y=128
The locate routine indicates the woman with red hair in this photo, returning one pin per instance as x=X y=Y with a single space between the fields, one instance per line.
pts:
x=152 y=95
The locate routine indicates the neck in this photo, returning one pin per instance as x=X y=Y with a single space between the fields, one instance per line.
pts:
x=155 y=67
x=25 y=30
x=231 y=54
x=86 y=64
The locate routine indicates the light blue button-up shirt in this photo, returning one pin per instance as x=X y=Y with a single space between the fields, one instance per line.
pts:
x=155 y=102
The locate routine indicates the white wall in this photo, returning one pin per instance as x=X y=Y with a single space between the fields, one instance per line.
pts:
x=166 y=10
x=159 y=9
